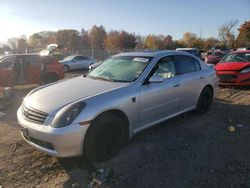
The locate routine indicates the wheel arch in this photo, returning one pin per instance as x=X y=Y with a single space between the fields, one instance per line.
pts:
x=121 y=115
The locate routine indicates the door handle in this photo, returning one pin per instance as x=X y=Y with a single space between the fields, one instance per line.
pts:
x=176 y=85
x=201 y=77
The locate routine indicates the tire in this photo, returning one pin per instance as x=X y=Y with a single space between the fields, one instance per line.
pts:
x=104 y=138
x=205 y=100
x=49 y=78
x=66 y=68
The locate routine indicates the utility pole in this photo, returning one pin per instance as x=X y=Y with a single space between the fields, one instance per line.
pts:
x=92 y=46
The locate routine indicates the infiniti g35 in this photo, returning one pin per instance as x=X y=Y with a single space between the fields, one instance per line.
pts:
x=97 y=113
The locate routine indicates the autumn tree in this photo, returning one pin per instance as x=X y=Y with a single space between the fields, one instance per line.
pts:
x=211 y=42
x=168 y=43
x=97 y=36
x=41 y=39
x=85 y=40
x=153 y=42
x=120 y=41
x=127 y=40
x=227 y=35
x=68 y=38
x=112 y=41
x=243 y=38
x=189 y=39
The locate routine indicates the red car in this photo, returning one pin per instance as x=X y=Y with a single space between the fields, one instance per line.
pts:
x=215 y=57
x=234 y=69
x=29 y=69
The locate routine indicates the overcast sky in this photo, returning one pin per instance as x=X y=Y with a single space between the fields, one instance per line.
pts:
x=172 y=17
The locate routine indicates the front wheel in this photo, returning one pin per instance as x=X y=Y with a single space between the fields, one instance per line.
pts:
x=104 y=138
x=66 y=68
x=205 y=100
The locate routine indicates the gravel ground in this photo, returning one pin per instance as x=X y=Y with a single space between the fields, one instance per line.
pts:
x=187 y=151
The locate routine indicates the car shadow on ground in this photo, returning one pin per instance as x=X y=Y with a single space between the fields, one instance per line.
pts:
x=188 y=150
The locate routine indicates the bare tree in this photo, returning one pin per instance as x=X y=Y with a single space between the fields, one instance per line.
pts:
x=227 y=35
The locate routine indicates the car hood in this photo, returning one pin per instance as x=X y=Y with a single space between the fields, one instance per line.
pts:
x=49 y=99
x=231 y=66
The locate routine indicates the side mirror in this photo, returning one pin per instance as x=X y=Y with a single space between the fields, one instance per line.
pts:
x=156 y=79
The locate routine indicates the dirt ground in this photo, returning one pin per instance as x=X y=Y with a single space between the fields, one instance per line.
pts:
x=187 y=151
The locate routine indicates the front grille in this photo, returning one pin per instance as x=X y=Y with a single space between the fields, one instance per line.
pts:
x=227 y=76
x=34 y=115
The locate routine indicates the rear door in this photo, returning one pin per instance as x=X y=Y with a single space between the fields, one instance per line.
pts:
x=189 y=71
x=32 y=68
x=158 y=100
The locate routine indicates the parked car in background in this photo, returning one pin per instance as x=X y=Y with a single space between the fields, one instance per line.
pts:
x=74 y=62
x=193 y=51
x=214 y=57
x=96 y=114
x=234 y=69
x=29 y=69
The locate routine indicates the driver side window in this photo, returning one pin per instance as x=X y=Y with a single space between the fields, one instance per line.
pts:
x=165 y=68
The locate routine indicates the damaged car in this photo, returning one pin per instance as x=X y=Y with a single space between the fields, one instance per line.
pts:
x=97 y=113
x=29 y=69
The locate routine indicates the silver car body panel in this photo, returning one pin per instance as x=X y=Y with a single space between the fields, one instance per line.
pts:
x=144 y=105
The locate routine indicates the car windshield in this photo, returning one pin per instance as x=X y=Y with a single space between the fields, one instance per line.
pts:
x=216 y=54
x=236 y=57
x=120 y=69
x=69 y=58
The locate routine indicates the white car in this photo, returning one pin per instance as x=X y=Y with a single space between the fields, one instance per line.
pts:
x=74 y=62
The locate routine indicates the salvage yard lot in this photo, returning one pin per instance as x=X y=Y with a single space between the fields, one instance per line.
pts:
x=188 y=151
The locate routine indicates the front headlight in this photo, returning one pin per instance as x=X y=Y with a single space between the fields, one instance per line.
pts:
x=245 y=70
x=67 y=115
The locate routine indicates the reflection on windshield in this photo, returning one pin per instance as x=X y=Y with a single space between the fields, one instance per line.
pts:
x=240 y=57
x=120 y=69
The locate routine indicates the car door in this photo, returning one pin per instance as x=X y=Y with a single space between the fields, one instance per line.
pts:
x=6 y=71
x=158 y=100
x=190 y=74
x=78 y=62
x=85 y=62
x=32 y=69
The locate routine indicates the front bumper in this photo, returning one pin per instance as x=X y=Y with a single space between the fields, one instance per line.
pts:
x=60 y=142
x=233 y=78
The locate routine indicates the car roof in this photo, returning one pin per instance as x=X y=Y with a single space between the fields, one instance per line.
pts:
x=21 y=55
x=152 y=53
x=177 y=49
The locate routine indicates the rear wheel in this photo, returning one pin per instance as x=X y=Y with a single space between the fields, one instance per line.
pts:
x=205 y=100
x=105 y=137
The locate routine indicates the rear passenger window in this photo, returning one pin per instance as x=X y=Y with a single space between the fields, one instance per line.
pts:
x=197 y=65
x=186 y=64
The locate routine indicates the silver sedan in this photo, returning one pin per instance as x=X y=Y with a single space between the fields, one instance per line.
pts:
x=74 y=62
x=96 y=114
